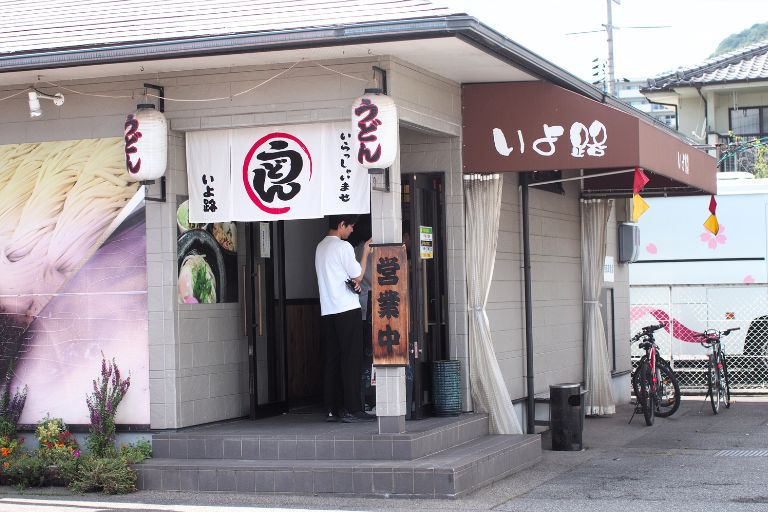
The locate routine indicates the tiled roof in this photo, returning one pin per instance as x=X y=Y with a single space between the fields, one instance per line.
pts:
x=34 y=25
x=744 y=64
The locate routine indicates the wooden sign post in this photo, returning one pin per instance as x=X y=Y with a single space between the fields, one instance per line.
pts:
x=389 y=303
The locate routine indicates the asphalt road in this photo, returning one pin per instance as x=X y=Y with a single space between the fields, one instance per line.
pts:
x=692 y=461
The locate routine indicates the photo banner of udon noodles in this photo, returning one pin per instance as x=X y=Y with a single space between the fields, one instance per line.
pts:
x=74 y=276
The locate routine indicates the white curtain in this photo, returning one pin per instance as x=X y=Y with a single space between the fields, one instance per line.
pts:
x=597 y=378
x=482 y=197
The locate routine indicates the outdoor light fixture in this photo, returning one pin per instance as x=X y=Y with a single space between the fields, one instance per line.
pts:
x=34 y=101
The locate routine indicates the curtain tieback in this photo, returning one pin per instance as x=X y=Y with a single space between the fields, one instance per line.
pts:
x=591 y=302
x=477 y=308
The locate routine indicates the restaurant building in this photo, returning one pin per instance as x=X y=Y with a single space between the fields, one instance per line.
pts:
x=510 y=181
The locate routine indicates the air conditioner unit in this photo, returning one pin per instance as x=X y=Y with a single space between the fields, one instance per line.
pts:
x=629 y=242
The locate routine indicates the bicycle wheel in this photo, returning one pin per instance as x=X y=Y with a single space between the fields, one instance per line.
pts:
x=667 y=392
x=647 y=396
x=714 y=384
x=635 y=377
x=726 y=382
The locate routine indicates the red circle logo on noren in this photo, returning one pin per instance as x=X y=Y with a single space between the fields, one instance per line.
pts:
x=275 y=170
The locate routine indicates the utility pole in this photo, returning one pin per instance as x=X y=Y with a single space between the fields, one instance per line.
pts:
x=609 y=62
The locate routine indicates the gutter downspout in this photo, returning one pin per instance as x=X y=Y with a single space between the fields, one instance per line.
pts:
x=677 y=119
x=706 y=109
x=529 y=378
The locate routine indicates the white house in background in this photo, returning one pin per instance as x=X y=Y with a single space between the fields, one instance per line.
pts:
x=722 y=103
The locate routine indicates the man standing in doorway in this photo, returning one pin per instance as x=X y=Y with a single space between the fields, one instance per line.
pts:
x=335 y=265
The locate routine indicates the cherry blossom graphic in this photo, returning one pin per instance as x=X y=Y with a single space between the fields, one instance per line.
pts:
x=748 y=279
x=651 y=248
x=713 y=241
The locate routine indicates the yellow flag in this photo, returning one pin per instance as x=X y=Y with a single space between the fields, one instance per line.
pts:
x=712 y=225
x=639 y=206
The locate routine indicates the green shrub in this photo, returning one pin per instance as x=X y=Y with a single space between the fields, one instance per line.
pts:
x=28 y=470
x=135 y=453
x=106 y=475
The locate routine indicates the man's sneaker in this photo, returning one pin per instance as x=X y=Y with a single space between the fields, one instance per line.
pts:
x=355 y=417
x=366 y=416
x=331 y=418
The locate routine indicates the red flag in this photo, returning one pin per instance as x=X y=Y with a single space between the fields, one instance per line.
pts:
x=640 y=180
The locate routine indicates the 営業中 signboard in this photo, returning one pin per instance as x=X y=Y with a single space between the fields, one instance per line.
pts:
x=389 y=300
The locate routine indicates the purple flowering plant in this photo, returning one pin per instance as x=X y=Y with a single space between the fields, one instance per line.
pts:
x=108 y=391
x=11 y=406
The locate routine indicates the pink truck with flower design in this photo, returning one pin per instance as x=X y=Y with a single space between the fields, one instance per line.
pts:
x=697 y=280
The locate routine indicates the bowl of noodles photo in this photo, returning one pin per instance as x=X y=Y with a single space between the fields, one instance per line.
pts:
x=202 y=278
x=225 y=234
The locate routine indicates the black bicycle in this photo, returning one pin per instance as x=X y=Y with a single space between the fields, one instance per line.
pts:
x=718 y=387
x=655 y=385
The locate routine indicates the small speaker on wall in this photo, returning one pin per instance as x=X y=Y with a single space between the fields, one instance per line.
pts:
x=629 y=242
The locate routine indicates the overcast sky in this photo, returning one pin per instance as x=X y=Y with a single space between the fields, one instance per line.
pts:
x=696 y=27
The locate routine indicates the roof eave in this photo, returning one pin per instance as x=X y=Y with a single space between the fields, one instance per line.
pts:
x=463 y=26
x=703 y=85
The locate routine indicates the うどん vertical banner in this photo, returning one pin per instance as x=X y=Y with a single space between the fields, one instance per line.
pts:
x=274 y=173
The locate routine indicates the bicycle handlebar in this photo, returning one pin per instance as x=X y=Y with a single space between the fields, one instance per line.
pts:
x=647 y=331
x=713 y=335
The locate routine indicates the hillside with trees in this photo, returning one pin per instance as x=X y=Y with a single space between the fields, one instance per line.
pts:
x=755 y=33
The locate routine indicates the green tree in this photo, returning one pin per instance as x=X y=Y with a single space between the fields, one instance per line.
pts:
x=761 y=161
x=755 y=33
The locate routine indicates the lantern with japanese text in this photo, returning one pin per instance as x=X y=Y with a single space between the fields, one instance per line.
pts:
x=374 y=130
x=146 y=143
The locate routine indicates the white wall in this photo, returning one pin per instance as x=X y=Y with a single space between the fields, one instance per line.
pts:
x=738 y=98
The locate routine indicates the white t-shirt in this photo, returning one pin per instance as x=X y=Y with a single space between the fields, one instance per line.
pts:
x=335 y=263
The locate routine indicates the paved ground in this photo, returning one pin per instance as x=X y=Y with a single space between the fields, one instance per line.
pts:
x=689 y=462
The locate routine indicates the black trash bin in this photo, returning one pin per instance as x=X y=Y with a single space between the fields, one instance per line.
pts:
x=566 y=416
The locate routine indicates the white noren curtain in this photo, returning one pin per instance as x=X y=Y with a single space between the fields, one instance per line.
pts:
x=482 y=197
x=597 y=374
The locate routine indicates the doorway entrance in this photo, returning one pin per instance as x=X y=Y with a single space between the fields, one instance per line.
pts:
x=283 y=316
x=283 y=306
x=423 y=211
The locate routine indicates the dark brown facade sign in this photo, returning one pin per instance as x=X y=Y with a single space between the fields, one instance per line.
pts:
x=537 y=126
x=389 y=303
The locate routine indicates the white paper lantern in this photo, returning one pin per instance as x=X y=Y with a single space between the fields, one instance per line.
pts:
x=146 y=144
x=374 y=130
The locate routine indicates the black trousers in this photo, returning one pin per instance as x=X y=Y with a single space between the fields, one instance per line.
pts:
x=343 y=355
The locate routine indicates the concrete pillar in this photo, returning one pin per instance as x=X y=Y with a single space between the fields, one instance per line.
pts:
x=386 y=223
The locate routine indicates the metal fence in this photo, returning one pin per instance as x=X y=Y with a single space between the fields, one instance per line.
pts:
x=691 y=309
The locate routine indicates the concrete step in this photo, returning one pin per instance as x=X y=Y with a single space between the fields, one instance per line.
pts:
x=311 y=439
x=450 y=473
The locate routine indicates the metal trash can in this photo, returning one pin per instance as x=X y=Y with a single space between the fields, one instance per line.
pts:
x=566 y=416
